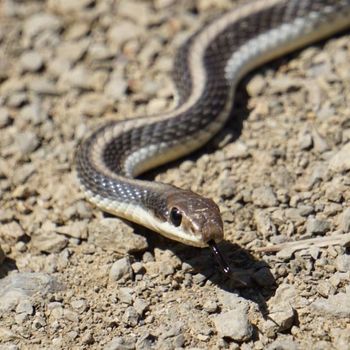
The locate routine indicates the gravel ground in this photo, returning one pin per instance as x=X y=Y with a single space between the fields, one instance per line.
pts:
x=72 y=277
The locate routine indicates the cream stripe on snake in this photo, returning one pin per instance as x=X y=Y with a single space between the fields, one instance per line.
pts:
x=207 y=70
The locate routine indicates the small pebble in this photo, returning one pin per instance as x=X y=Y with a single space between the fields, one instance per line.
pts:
x=27 y=142
x=316 y=226
x=31 y=61
x=343 y=263
x=210 y=306
x=119 y=343
x=130 y=317
x=264 y=197
x=121 y=270
x=256 y=85
x=340 y=162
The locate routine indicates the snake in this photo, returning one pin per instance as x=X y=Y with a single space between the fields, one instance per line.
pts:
x=207 y=69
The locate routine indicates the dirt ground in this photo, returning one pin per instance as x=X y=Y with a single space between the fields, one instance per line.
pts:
x=73 y=277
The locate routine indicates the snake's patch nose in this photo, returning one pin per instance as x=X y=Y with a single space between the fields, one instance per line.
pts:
x=213 y=231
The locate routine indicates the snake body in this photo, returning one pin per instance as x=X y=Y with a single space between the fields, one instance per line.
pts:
x=207 y=69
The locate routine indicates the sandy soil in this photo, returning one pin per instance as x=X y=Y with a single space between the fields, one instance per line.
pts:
x=75 y=278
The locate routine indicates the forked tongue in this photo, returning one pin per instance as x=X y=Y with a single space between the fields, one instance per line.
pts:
x=224 y=265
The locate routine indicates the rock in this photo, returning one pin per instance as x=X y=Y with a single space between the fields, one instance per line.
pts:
x=336 y=305
x=318 y=173
x=234 y=324
x=343 y=263
x=210 y=306
x=100 y=52
x=285 y=84
x=226 y=188
x=130 y=317
x=20 y=177
x=116 y=88
x=8 y=346
x=141 y=305
x=306 y=210
x=31 y=61
x=17 y=99
x=78 y=77
x=11 y=232
x=316 y=226
x=283 y=344
x=334 y=193
x=18 y=287
x=165 y=268
x=49 y=242
x=122 y=31
x=80 y=305
x=70 y=52
x=87 y=338
x=256 y=85
x=77 y=229
x=199 y=278
x=229 y=300
x=345 y=220
x=340 y=162
x=325 y=288
x=113 y=234
x=69 y=7
x=25 y=307
x=156 y=105
x=4 y=117
x=119 y=343
x=121 y=270
x=305 y=140
x=160 y=4
x=138 y=267
x=137 y=11
x=170 y=331
x=125 y=295
x=264 y=224
x=43 y=87
x=264 y=197
x=282 y=314
x=235 y=150
x=320 y=144
x=40 y=22
x=341 y=338
x=93 y=105
x=27 y=142
x=325 y=112
x=281 y=320
x=145 y=341
x=34 y=113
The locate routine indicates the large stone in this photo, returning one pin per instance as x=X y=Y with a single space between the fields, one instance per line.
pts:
x=18 y=287
x=113 y=234
x=234 y=324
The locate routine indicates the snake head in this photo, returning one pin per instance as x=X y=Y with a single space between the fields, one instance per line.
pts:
x=195 y=219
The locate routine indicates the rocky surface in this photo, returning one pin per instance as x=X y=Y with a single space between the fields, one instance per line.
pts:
x=71 y=277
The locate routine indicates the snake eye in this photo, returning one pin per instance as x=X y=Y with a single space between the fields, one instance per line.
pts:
x=175 y=216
